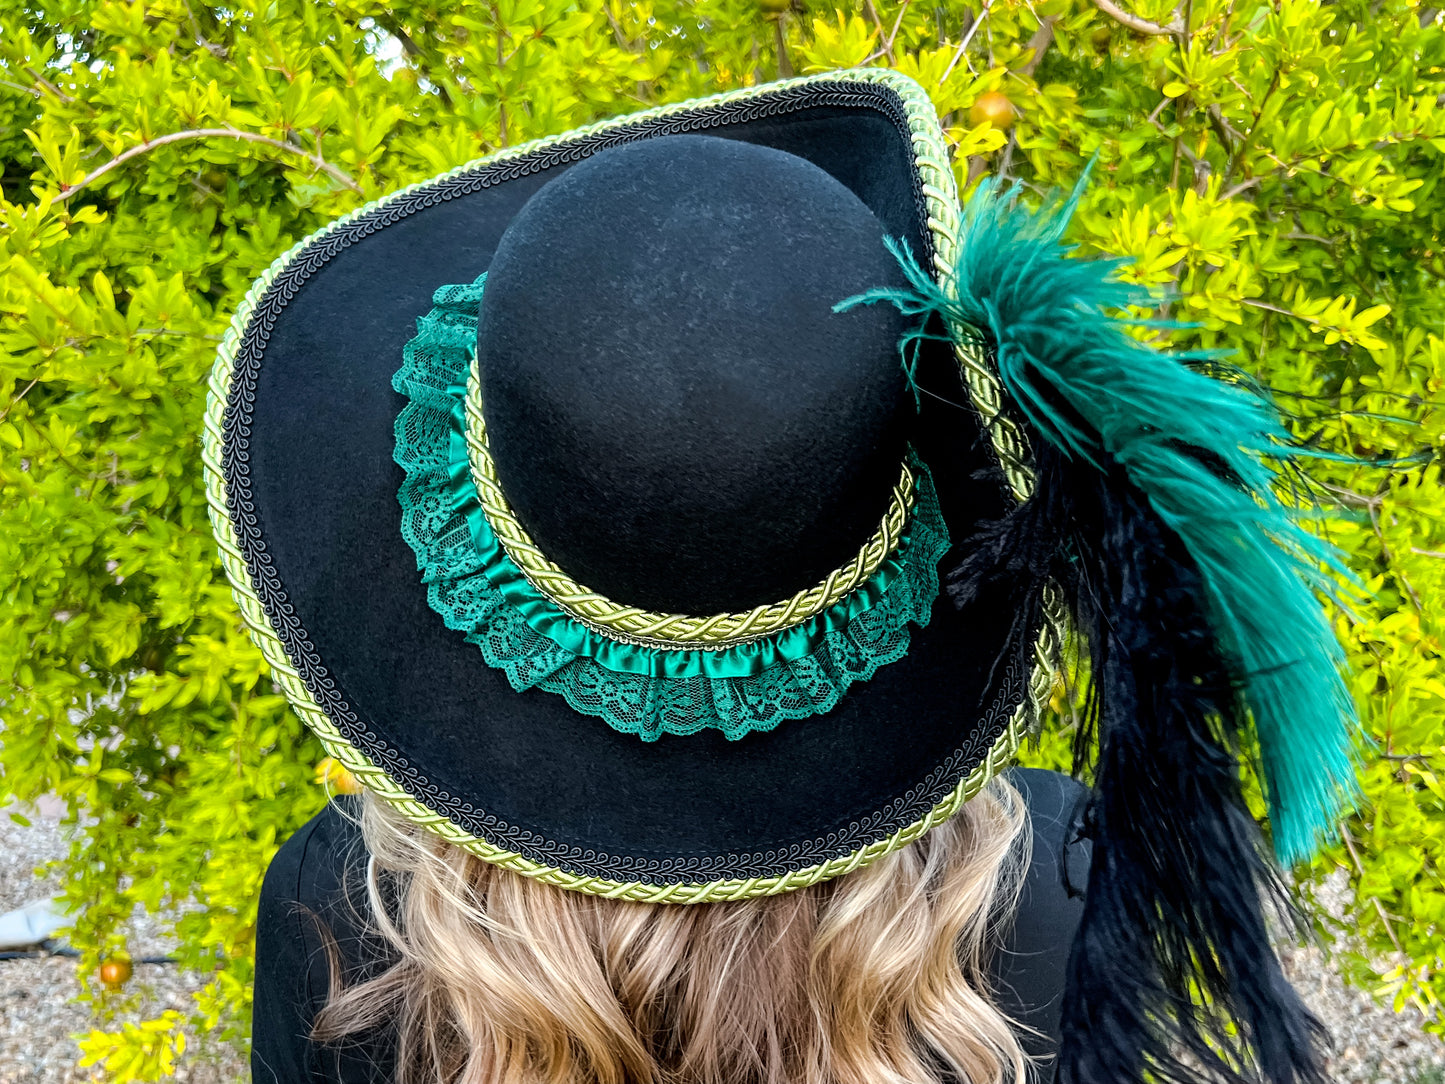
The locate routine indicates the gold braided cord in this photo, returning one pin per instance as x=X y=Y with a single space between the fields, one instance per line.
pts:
x=980 y=377
x=941 y=193
x=676 y=631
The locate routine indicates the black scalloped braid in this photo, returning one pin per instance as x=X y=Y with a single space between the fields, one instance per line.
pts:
x=235 y=467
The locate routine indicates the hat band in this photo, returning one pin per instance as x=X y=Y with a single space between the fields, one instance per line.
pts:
x=630 y=624
x=474 y=583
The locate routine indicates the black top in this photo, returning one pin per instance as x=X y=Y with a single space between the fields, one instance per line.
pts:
x=306 y=879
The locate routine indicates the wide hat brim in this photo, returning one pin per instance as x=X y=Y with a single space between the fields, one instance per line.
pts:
x=303 y=490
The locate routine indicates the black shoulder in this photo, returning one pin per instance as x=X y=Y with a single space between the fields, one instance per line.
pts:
x=325 y=855
x=1057 y=804
x=1033 y=962
x=311 y=931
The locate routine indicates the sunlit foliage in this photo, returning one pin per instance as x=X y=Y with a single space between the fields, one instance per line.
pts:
x=1274 y=169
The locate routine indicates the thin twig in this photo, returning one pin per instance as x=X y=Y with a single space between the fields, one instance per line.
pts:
x=1237 y=158
x=1252 y=303
x=968 y=37
x=206 y=190
x=1299 y=165
x=1374 y=510
x=22 y=87
x=410 y=48
x=1134 y=22
x=617 y=30
x=48 y=85
x=66 y=191
x=1006 y=162
x=872 y=13
x=1348 y=496
x=1228 y=134
x=1240 y=188
x=501 y=105
x=217 y=51
x=1297 y=235
x=23 y=393
x=1410 y=588
x=43 y=435
x=893 y=34
x=1413 y=549
x=1223 y=28
x=201 y=335
x=780 y=40
x=1355 y=857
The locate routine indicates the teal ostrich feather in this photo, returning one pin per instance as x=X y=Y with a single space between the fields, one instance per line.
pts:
x=1206 y=454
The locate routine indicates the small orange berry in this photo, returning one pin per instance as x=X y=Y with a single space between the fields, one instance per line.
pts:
x=992 y=108
x=115 y=973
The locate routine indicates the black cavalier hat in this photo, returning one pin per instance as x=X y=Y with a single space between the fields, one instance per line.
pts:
x=590 y=502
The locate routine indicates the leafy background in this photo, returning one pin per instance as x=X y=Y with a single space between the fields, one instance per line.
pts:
x=1272 y=166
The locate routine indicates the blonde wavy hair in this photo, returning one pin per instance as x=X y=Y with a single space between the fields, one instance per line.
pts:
x=878 y=977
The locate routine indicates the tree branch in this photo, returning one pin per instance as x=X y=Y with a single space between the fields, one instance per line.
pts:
x=66 y=191
x=1133 y=22
x=1039 y=43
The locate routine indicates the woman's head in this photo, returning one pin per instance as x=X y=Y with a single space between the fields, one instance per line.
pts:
x=877 y=977
x=588 y=688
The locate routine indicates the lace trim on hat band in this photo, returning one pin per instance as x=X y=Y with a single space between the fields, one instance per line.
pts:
x=474 y=583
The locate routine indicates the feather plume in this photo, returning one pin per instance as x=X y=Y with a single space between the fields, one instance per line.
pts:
x=1172 y=977
x=1199 y=449
x=1195 y=589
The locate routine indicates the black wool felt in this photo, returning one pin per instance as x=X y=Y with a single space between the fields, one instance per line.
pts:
x=1177 y=889
x=677 y=415
x=312 y=442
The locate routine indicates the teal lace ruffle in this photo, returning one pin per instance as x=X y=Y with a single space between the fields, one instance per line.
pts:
x=648 y=691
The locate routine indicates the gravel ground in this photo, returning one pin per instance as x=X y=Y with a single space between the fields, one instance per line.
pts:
x=39 y=1019
x=1372 y=1044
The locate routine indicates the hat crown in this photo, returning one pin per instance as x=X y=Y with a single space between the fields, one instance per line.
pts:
x=677 y=415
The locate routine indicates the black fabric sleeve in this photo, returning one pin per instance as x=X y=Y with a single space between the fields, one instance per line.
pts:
x=313 y=896
x=288 y=991
x=1030 y=968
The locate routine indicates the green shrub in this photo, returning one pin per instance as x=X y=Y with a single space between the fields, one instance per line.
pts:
x=1273 y=168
